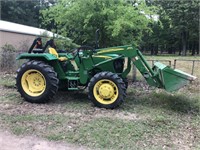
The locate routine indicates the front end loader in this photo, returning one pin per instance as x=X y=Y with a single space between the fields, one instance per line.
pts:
x=103 y=71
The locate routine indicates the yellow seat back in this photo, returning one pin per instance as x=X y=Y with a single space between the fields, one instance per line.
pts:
x=53 y=52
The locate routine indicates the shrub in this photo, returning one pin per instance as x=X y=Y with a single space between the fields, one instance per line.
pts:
x=7 y=60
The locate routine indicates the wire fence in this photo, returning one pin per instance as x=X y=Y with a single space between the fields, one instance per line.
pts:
x=190 y=66
x=195 y=64
x=167 y=62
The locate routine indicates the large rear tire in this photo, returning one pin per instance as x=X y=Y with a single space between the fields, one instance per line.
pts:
x=36 y=81
x=106 y=90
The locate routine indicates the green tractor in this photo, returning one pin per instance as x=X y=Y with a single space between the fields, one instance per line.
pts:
x=103 y=71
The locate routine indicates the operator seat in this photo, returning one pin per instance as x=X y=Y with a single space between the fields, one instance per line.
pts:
x=53 y=52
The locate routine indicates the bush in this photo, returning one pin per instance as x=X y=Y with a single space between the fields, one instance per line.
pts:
x=7 y=60
x=24 y=46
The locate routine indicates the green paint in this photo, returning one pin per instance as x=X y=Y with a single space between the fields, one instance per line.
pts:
x=84 y=66
x=172 y=79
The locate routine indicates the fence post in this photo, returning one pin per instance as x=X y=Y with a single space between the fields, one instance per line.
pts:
x=170 y=63
x=134 y=73
x=174 y=63
x=193 y=66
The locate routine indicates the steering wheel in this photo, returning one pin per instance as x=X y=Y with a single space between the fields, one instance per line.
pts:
x=87 y=50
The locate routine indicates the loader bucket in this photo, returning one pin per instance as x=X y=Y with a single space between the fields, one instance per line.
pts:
x=172 y=79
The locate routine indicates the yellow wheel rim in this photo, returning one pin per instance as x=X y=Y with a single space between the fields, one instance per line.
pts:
x=33 y=82
x=105 y=91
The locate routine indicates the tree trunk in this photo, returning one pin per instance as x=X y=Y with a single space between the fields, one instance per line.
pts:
x=184 y=43
x=180 y=50
x=193 y=48
x=152 y=49
x=161 y=49
x=198 y=47
x=170 y=50
x=156 y=50
x=174 y=50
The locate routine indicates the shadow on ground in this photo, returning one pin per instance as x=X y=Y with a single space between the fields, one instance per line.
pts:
x=180 y=103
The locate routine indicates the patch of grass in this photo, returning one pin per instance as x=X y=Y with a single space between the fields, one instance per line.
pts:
x=162 y=101
x=7 y=80
x=153 y=132
x=73 y=100
x=8 y=93
x=107 y=133
x=10 y=96
x=18 y=130
x=37 y=124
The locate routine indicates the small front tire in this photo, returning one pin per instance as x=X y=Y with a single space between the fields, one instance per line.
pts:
x=106 y=90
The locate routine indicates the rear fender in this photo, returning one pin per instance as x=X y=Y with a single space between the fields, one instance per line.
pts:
x=48 y=58
x=45 y=56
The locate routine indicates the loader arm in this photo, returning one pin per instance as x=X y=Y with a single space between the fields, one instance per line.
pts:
x=159 y=75
x=134 y=56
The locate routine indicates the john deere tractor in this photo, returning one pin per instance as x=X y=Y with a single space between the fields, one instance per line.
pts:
x=103 y=71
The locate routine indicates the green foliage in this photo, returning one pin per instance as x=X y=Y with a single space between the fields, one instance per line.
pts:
x=7 y=81
x=185 y=20
x=120 y=22
x=7 y=48
x=65 y=44
x=179 y=30
x=23 y=12
x=62 y=43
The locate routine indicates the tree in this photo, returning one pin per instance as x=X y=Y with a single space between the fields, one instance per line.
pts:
x=162 y=36
x=23 y=12
x=184 y=20
x=120 y=22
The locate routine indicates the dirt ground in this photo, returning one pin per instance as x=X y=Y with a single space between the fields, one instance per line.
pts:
x=9 y=141
x=12 y=104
